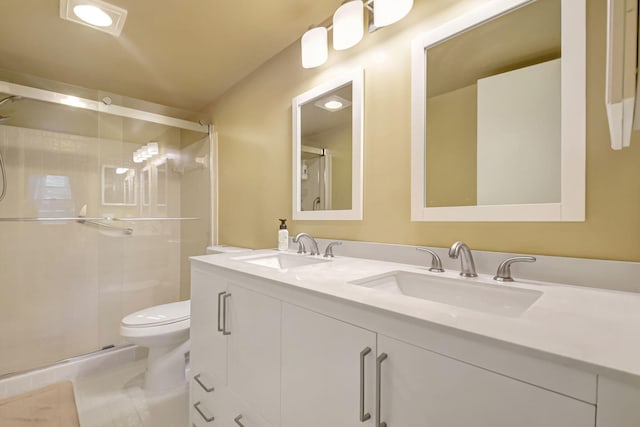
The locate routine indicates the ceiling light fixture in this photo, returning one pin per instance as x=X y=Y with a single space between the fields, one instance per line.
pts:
x=332 y=103
x=348 y=27
x=96 y=14
x=92 y=15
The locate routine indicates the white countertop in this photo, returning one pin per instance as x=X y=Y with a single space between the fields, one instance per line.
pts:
x=593 y=326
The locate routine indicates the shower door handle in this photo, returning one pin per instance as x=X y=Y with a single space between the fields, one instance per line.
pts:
x=225 y=298
x=220 y=295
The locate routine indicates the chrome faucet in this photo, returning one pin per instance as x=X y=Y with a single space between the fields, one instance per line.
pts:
x=467 y=266
x=314 y=244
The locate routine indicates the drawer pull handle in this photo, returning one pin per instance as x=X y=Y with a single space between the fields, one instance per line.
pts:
x=237 y=420
x=363 y=416
x=204 y=387
x=197 y=408
x=379 y=361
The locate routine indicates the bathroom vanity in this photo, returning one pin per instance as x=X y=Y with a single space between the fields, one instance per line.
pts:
x=287 y=340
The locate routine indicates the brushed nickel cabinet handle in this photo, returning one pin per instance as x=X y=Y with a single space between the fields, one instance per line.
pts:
x=220 y=295
x=363 y=416
x=204 y=417
x=225 y=331
x=204 y=387
x=237 y=420
x=379 y=361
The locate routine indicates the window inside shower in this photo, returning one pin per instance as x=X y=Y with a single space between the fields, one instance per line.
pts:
x=90 y=230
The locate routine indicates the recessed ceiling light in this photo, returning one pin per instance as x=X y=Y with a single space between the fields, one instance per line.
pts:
x=96 y=14
x=332 y=103
x=92 y=15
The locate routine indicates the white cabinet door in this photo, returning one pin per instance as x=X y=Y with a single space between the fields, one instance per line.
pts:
x=424 y=389
x=321 y=359
x=253 y=321
x=208 y=355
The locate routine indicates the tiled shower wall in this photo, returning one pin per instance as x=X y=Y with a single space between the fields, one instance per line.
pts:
x=64 y=286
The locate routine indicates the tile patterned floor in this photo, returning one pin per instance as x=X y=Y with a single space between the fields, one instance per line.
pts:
x=115 y=398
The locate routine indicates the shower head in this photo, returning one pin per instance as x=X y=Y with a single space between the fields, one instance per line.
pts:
x=10 y=98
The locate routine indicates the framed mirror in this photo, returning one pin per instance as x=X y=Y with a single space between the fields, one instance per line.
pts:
x=327 y=150
x=498 y=114
x=145 y=184
x=161 y=183
x=119 y=186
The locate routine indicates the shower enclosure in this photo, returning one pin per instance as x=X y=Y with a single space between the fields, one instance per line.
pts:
x=105 y=198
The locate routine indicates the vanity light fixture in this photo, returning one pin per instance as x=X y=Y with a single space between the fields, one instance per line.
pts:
x=96 y=14
x=314 y=47
x=146 y=152
x=387 y=12
x=348 y=27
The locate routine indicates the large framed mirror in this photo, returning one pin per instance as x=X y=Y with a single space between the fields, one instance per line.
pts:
x=327 y=150
x=119 y=187
x=498 y=114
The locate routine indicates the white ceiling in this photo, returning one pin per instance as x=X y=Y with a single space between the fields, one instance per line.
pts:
x=182 y=54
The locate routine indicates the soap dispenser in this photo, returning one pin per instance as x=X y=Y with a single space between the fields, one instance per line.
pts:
x=283 y=235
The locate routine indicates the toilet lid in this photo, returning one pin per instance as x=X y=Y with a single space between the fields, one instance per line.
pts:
x=159 y=315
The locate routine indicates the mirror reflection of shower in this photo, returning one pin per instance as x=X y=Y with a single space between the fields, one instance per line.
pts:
x=315 y=191
x=3 y=172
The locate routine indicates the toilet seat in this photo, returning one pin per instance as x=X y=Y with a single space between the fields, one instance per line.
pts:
x=159 y=315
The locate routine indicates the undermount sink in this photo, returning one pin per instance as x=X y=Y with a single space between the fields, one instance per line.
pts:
x=281 y=261
x=473 y=295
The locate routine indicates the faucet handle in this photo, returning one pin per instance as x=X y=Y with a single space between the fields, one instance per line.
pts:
x=436 y=263
x=301 y=248
x=504 y=270
x=328 y=252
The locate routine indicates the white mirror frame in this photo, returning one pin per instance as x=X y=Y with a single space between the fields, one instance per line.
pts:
x=573 y=121
x=356 y=78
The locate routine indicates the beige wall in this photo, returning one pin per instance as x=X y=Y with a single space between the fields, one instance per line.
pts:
x=254 y=124
x=451 y=154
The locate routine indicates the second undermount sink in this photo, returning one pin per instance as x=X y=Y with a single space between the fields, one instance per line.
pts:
x=465 y=293
x=281 y=260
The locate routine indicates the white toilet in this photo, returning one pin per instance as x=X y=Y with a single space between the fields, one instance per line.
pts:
x=164 y=330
